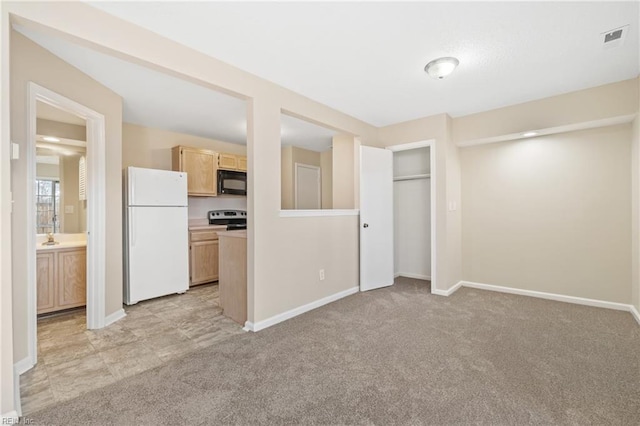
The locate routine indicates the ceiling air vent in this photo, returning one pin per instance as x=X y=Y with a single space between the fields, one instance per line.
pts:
x=614 y=37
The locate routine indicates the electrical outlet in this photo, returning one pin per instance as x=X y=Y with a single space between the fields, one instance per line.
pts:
x=321 y=274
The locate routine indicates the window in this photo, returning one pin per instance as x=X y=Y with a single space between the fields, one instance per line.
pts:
x=47 y=206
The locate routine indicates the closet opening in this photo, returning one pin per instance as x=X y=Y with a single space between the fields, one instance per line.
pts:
x=412 y=215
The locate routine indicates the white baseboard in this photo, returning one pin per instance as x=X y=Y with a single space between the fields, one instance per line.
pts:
x=117 y=315
x=415 y=276
x=635 y=314
x=17 y=401
x=557 y=297
x=549 y=296
x=447 y=292
x=261 y=325
x=20 y=367
x=23 y=366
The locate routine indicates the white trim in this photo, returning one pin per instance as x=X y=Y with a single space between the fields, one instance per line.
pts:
x=550 y=296
x=318 y=213
x=411 y=177
x=116 y=316
x=411 y=275
x=412 y=145
x=96 y=206
x=295 y=183
x=447 y=292
x=612 y=121
x=635 y=313
x=17 y=403
x=23 y=366
x=62 y=141
x=261 y=325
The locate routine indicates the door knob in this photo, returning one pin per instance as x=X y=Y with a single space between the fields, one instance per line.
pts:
x=366 y=225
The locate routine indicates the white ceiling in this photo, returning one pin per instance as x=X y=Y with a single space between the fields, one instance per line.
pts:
x=367 y=59
x=157 y=100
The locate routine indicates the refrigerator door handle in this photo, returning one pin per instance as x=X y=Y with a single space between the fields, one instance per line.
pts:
x=132 y=186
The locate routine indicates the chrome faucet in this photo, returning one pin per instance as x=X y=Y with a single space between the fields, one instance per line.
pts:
x=50 y=240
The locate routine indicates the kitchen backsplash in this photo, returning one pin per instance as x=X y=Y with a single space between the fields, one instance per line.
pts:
x=199 y=206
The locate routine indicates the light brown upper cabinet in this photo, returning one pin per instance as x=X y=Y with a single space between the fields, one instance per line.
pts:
x=201 y=167
x=232 y=162
x=242 y=163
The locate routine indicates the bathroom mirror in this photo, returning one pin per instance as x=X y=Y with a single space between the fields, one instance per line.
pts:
x=59 y=190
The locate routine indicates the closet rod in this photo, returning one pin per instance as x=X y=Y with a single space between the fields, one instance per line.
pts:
x=411 y=177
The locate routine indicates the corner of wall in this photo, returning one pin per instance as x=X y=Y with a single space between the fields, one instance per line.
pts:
x=7 y=378
x=453 y=207
x=635 y=208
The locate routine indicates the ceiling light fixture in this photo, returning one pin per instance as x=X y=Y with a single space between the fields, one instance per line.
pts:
x=441 y=67
x=51 y=139
x=529 y=134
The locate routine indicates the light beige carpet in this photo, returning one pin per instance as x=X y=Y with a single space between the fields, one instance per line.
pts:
x=395 y=356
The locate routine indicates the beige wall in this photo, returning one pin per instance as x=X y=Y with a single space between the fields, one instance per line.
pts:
x=286 y=178
x=635 y=208
x=550 y=214
x=590 y=105
x=290 y=156
x=305 y=156
x=61 y=130
x=72 y=223
x=48 y=171
x=151 y=148
x=611 y=100
x=326 y=164
x=447 y=271
x=7 y=406
x=29 y=62
x=345 y=172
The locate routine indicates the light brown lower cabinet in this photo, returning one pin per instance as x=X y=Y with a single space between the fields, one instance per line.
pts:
x=61 y=276
x=203 y=257
x=46 y=281
x=233 y=276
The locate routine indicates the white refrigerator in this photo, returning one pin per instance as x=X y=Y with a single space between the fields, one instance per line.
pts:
x=157 y=241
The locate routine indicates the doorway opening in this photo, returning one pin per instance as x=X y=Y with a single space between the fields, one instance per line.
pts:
x=66 y=203
x=60 y=209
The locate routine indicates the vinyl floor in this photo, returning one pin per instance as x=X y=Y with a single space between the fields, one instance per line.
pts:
x=73 y=360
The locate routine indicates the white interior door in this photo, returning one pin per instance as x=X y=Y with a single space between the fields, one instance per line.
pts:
x=307 y=182
x=376 y=218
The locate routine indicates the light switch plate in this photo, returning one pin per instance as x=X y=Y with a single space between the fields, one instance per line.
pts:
x=68 y=209
x=15 y=151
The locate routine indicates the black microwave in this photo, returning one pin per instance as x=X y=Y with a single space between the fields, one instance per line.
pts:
x=232 y=183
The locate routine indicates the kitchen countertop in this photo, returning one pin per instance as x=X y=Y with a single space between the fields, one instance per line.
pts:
x=206 y=227
x=61 y=245
x=237 y=234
